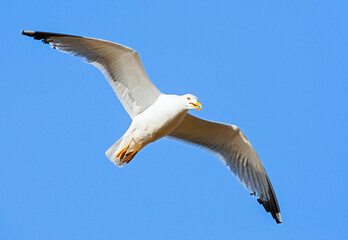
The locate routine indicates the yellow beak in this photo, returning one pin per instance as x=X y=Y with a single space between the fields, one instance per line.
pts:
x=197 y=106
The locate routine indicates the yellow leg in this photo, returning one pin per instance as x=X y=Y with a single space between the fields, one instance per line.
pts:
x=131 y=155
x=121 y=154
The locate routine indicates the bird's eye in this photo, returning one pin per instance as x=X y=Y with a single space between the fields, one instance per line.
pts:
x=188 y=98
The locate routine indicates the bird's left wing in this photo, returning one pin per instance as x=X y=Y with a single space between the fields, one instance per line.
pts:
x=234 y=149
x=120 y=65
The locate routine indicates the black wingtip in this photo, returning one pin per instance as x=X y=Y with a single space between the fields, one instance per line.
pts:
x=37 y=35
x=28 y=33
x=271 y=205
x=44 y=35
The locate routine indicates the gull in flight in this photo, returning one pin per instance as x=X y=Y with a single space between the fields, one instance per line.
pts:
x=155 y=115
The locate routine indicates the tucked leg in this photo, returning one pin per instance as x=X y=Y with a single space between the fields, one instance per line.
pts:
x=122 y=153
x=131 y=155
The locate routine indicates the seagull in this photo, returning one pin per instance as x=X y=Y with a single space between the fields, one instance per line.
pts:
x=156 y=115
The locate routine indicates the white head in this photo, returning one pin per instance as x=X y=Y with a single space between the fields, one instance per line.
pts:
x=191 y=102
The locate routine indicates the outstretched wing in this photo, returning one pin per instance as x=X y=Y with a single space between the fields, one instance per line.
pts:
x=234 y=149
x=120 y=65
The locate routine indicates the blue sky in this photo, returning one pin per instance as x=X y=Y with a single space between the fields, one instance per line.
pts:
x=276 y=69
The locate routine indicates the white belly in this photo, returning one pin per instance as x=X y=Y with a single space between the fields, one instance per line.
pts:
x=154 y=123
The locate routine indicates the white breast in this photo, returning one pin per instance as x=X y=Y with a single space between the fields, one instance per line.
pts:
x=158 y=120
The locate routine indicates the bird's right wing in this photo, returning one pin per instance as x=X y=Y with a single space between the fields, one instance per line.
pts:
x=120 y=65
x=234 y=149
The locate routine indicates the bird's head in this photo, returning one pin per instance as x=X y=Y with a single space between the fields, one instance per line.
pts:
x=191 y=102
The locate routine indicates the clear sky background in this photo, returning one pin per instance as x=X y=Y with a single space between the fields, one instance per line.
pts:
x=276 y=69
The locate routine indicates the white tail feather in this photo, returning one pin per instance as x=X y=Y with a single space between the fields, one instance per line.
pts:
x=111 y=153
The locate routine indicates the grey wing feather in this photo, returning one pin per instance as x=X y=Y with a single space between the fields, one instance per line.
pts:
x=121 y=66
x=234 y=149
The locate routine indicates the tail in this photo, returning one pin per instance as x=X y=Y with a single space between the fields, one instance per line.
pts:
x=120 y=154
x=111 y=153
